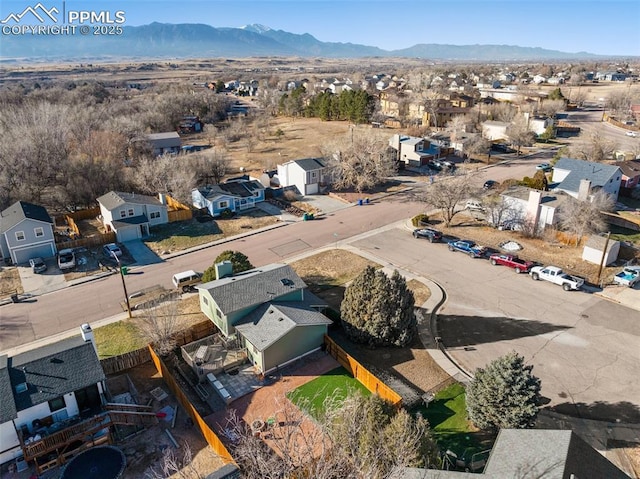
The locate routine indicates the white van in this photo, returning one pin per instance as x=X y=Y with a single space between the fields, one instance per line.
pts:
x=474 y=205
x=185 y=280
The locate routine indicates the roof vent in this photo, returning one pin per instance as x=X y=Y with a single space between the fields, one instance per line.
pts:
x=281 y=319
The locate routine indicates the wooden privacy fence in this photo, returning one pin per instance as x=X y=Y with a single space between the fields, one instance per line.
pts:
x=361 y=373
x=89 y=241
x=212 y=439
x=115 y=364
x=179 y=215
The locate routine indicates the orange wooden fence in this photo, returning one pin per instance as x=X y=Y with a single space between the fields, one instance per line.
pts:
x=212 y=439
x=362 y=374
x=89 y=241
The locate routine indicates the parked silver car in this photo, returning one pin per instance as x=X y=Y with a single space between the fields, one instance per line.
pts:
x=38 y=265
x=66 y=259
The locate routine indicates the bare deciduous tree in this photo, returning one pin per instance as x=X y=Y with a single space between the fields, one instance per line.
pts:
x=159 y=325
x=500 y=211
x=174 y=465
x=448 y=193
x=551 y=107
x=360 y=160
x=594 y=147
x=519 y=133
x=585 y=217
x=165 y=174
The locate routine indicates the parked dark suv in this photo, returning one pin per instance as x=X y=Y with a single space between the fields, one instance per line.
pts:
x=428 y=233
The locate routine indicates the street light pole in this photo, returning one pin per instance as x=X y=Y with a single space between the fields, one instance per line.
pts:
x=124 y=286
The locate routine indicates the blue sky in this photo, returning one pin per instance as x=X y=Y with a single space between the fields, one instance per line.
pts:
x=602 y=27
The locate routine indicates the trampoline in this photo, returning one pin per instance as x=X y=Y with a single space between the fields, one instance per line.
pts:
x=101 y=462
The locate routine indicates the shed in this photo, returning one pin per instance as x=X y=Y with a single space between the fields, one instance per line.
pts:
x=594 y=249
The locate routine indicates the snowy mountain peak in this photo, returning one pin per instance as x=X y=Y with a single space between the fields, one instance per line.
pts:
x=256 y=28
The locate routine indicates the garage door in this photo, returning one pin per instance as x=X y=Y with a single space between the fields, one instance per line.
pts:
x=127 y=233
x=312 y=189
x=22 y=255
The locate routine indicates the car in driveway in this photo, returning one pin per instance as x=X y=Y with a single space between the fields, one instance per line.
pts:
x=468 y=247
x=66 y=259
x=111 y=249
x=489 y=184
x=429 y=234
x=631 y=133
x=544 y=167
x=474 y=205
x=37 y=265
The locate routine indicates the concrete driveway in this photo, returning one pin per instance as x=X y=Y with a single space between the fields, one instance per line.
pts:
x=37 y=284
x=326 y=204
x=141 y=253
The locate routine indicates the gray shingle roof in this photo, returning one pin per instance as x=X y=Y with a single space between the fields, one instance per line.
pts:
x=598 y=173
x=114 y=199
x=7 y=404
x=253 y=287
x=131 y=220
x=552 y=454
x=20 y=211
x=309 y=164
x=271 y=321
x=54 y=370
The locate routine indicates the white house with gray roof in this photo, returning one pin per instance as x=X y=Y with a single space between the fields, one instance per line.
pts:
x=569 y=174
x=26 y=231
x=269 y=308
x=306 y=175
x=43 y=389
x=130 y=215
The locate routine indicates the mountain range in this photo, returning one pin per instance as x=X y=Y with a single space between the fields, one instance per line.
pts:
x=163 y=40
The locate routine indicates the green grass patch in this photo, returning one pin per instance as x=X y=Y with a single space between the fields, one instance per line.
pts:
x=447 y=415
x=623 y=234
x=118 y=338
x=338 y=383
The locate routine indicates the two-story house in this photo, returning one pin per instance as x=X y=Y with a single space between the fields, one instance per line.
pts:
x=581 y=179
x=130 y=215
x=414 y=151
x=270 y=310
x=306 y=175
x=26 y=231
x=630 y=175
x=45 y=390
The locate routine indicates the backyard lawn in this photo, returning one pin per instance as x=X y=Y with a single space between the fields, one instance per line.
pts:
x=311 y=396
x=447 y=416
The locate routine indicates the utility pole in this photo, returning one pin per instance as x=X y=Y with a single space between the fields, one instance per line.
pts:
x=604 y=254
x=124 y=286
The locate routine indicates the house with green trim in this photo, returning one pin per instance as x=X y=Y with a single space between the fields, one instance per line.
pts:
x=270 y=311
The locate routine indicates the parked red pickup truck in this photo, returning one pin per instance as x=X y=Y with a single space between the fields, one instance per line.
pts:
x=520 y=265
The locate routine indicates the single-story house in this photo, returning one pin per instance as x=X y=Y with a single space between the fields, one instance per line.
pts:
x=164 y=143
x=26 y=231
x=528 y=204
x=130 y=215
x=235 y=196
x=270 y=310
x=593 y=251
x=581 y=179
x=539 y=124
x=44 y=388
x=306 y=175
x=529 y=453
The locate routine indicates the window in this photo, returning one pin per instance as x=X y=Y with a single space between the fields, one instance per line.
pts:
x=154 y=214
x=130 y=211
x=20 y=388
x=205 y=300
x=218 y=313
x=123 y=214
x=39 y=232
x=223 y=204
x=20 y=235
x=57 y=404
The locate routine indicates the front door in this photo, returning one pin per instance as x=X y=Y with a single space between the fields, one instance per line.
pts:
x=88 y=398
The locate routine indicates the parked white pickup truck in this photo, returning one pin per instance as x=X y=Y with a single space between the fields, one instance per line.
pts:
x=557 y=276
x=629 y=276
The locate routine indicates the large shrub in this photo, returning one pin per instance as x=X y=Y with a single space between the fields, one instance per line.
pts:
x=504 y=395
x=239 y=261
x=377 y=310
